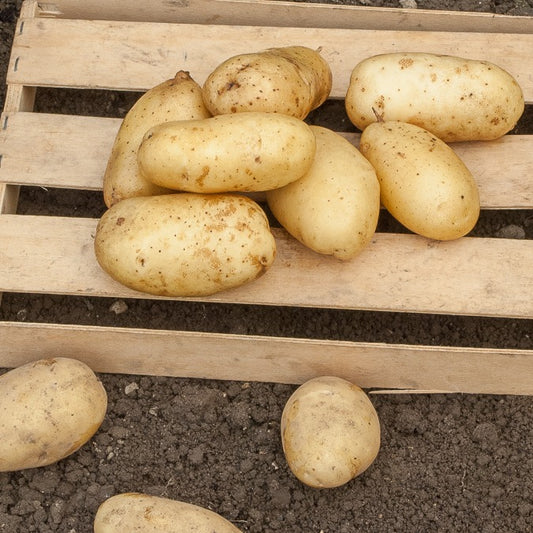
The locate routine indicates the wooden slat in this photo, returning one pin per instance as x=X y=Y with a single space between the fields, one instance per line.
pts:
x=273 y=359
x=137 y=56
x=66 y=150
x=72 y=152
x=264 y=12
x=469 y=276
x=501 y=169
x=9 y=195
x=18 y=98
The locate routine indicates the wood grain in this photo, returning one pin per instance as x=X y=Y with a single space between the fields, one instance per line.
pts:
x=72 y=151
x=135 y=56
x=407 y=273
x=386 y=368
x=282 y=13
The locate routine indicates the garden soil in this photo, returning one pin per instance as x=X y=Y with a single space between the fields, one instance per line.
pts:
x=447 y=463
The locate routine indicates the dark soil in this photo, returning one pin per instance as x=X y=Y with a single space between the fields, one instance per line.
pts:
x=448 y=463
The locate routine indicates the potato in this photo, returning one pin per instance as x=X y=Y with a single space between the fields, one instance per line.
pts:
x=423 y=183
x=135 y=512
x=330 y=432
x=334 y=208
x=179 y=98
x=292 y=80
x=48 y=409
x=454 y=98
x=184 y=244
x=227 y=153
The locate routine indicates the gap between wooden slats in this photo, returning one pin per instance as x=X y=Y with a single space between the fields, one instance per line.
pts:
x=137 y=56
x=469 y=276
x=279 y=13
x=273 y=359
x=72 y=152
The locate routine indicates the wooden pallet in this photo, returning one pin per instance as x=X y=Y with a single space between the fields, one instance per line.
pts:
x=124 y=45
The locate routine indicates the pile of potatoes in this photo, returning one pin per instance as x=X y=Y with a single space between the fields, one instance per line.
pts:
x=180 y=219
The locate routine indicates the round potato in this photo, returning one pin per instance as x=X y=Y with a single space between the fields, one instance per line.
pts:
x=424 y=184
x=184 y=244
x=227 y=153
x=48 y=409
x=292 y=80
x=135 y=512
x=179 y=98
x=334 y=208
x=454 y=98
x=330 y=432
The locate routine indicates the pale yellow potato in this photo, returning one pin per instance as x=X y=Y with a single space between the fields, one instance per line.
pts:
x=246 y=152
x=330 y=432
x=184 y=244
x=334 y=208
x=292 y=80
x=424 y=184
x=179 y=98
x=456 y=99
x=142 y=513
x=49 y=408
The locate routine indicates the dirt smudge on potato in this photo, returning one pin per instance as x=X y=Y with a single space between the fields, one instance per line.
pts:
x=46 y=362
x=406 y=62
x=380 y=102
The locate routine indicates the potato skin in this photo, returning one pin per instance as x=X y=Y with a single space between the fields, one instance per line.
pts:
x=330 y=432
x=179 y=98
x=142 y=513
x=49 y=408
x=454 y=98
x=292 y=80
x=423 y=183
x=227 y=153
x=184 y=244
x=334 y=208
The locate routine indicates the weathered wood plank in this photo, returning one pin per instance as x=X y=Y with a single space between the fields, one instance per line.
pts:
x=395 y=368
x=469 y=276
x=67 y=151
x=280 y=13
x=137 y=56
x=72 y=151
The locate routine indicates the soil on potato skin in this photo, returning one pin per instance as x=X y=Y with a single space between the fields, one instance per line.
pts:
x=452 y=463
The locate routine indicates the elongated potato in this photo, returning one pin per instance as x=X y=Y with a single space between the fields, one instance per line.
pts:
x=48 y=409
x=330 y=432
x=292 y=80
x=179 y=98
x=334 y=208
x=454 y=98
x=135 y=512
x=227 y=153
x=423 y=183
x=184 y=244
